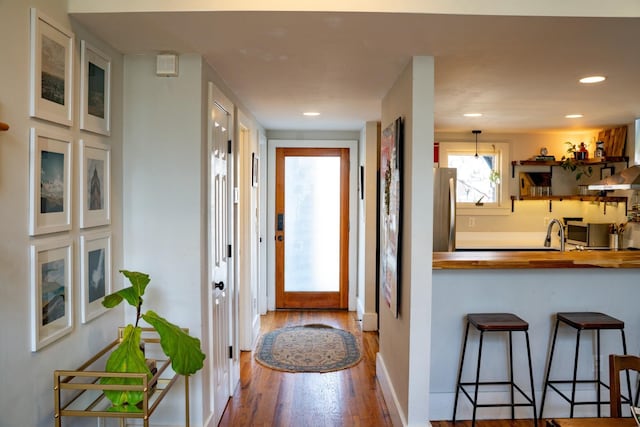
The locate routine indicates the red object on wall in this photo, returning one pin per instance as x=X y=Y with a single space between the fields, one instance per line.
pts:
x=436 y=152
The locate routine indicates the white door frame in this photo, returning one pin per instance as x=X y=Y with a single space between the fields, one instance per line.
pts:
x=352 y=145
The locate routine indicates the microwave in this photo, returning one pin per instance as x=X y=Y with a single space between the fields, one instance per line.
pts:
x=587 y=234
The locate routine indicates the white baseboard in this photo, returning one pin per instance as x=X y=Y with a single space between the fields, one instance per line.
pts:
x=369 y=322
x=390 y=397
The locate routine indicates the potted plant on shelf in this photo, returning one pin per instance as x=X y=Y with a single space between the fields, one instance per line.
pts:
x=184 y=350
x=571 y=162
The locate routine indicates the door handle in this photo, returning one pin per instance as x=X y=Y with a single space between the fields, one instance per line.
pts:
x=280 y=238
x=219 y=285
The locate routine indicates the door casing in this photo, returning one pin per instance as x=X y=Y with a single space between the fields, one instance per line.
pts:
x=352 y=145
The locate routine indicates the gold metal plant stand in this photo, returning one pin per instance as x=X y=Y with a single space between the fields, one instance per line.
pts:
x=83 y=394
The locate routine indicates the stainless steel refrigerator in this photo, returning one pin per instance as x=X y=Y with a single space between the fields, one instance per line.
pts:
x=444 y=209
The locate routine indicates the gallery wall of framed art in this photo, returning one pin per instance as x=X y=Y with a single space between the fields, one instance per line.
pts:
x=69 y=199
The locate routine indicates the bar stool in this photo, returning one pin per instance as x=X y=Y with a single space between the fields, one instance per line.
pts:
x=495 y=322
x=590 y=321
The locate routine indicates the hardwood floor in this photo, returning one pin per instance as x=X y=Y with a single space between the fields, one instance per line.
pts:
x=350 y=397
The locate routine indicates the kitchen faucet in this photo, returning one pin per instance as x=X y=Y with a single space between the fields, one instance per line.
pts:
x=547 y=240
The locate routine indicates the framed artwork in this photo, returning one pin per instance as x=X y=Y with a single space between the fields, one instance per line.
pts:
x=95 y=90
x=50 y=182
x=51 y=292
x=254 y=170
x=95 y=184
x=391 y=170
x=51 y=72
x=606 y=172
x=95 y=273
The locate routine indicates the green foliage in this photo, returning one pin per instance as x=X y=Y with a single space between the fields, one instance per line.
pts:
x=184 y=350
x=569 y=163
x=126 y=358
x=185 y=353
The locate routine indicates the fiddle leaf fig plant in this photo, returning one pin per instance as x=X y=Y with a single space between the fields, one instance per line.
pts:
x=184 y=350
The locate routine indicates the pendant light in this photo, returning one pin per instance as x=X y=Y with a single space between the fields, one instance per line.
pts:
x=476 y=132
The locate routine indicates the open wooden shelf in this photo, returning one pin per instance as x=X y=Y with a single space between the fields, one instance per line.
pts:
x=598 y=199
x=549 y=163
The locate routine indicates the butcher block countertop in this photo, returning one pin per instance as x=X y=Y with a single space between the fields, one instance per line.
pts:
x=470 y=260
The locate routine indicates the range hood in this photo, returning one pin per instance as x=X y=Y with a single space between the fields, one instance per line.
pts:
x=628 y=179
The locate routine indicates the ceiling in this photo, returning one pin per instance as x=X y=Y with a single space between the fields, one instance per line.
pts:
x=521 y=73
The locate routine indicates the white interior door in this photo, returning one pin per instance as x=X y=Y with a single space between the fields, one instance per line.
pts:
x=218 y=254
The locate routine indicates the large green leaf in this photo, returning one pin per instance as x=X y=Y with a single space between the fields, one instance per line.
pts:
x=183 y=349
x=133 y=294
x=127 y=357
x=139 y=281
x=116 y=298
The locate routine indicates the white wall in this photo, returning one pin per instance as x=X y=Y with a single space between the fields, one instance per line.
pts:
x=165 y=225
x=403 y=360
x=367 y=227
x=27 y=378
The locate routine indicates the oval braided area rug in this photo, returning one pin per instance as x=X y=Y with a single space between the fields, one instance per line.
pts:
x=308 y=348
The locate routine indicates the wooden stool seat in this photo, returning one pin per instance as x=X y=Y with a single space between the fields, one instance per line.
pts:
x=590 y=320
x=497 y=322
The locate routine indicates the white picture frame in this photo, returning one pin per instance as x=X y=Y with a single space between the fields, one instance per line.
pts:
x=51 y=271
x=95 y=89
x=51 y=71
x=50 y=163
x=95 y=273
x=95 y=183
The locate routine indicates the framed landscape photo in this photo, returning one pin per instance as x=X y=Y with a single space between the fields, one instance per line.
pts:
x=50 y=182
x=51 y=71
x=51 y=290
x=95 y=90
x=95 y=273
x=95 y=184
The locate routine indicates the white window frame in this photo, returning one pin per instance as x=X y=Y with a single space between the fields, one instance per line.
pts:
x=503 y=205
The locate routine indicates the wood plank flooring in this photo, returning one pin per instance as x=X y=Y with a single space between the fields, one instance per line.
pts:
x=351 y=397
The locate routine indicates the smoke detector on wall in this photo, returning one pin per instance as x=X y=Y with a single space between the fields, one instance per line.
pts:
x=167 y=65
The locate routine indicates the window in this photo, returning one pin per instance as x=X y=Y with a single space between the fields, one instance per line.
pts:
x=480 y=183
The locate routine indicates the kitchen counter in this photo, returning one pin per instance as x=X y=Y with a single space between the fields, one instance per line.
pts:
x=467 y=260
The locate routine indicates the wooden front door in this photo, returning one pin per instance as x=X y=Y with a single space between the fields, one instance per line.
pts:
x=312 y=228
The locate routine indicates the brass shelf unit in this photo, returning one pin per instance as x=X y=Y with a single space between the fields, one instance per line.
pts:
x=83 y=394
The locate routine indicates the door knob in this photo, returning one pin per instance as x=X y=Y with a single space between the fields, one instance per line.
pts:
x=280 y=238
x=219 y=285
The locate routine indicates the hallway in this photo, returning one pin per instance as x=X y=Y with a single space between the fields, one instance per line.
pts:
x=349 y=397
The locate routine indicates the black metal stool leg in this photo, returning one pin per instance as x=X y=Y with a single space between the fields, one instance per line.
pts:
x=513 y=409
x=546 y=380
x=598 y=382
x=464 y=349
x=475 y=392
x=533 y=393
x=624 y=350
x=575 y=374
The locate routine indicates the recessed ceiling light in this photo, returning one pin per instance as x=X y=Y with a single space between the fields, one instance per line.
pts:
x=311 y=113
x=592 y=79
x=472 y=114
x=574 y=116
